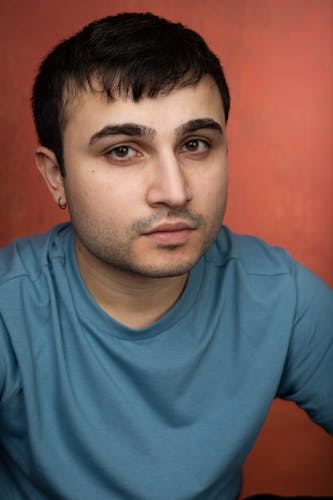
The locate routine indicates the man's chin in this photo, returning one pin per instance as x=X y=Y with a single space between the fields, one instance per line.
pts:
x=162 y=271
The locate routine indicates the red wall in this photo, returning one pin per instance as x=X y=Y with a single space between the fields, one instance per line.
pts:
x=278 y=57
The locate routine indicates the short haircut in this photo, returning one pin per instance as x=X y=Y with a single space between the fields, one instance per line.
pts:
x=132 y=54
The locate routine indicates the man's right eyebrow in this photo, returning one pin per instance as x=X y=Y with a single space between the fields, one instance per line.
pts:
x=130 y=129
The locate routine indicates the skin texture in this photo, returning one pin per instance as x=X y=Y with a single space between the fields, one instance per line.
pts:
x=146 y=200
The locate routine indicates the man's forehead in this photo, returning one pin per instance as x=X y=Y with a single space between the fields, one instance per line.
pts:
x=91 y=102
x=76 y=98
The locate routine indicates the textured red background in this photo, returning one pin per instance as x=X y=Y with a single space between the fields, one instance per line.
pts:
x=278 y=58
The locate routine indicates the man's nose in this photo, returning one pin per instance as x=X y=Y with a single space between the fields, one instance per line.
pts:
x=169 y=184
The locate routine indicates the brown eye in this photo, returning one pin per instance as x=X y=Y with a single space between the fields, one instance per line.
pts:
x=196 y=146
x=122 y=153
x=192 y=145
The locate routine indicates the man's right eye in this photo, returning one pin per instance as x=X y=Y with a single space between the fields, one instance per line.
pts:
x=122 y=152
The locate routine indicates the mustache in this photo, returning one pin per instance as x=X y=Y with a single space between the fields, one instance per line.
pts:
x=195 y=220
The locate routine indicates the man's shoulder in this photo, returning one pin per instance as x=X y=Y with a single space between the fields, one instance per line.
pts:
x=253 y=254
x=27 y=256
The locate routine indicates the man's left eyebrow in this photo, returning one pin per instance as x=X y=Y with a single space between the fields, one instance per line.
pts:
x=130 y=129
x=198 y=124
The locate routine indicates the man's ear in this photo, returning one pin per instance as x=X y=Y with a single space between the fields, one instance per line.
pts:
x=48 y=166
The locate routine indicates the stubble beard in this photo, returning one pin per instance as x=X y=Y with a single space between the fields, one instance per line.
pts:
x=108 y=246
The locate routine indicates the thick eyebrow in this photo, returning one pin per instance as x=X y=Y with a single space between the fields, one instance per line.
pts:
x=131 y=129
x=198 y=124
x=136 y=130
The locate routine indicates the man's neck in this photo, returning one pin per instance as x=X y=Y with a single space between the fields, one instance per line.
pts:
x=133 y=300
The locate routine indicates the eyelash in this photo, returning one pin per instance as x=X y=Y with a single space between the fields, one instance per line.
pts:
x=113 y=151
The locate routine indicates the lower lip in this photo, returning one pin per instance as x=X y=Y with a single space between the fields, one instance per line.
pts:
x=168 y=238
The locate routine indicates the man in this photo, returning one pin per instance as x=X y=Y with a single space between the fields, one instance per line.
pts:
x=141 y=346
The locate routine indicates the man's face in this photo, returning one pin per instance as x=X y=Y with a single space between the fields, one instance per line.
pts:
x=146 y=182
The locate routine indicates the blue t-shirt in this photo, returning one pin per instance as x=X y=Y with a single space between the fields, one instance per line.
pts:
x=90 y=409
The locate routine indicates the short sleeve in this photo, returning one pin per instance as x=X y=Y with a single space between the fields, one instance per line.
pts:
x=308 y=373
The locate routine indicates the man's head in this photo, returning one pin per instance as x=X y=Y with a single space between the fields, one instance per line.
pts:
x=131 y=54
x=131 y=115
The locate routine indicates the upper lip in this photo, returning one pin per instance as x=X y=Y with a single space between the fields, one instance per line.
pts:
x=170 y=226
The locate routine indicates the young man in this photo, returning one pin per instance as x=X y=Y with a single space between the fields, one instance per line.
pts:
x=141 y=346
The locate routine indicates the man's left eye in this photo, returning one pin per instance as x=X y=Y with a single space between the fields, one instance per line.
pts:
x=195 y=146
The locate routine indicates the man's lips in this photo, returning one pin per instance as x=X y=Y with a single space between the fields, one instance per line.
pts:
x=170 y=226
x=169 y=233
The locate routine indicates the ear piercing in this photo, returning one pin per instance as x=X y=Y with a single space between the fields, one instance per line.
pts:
x=61 y=205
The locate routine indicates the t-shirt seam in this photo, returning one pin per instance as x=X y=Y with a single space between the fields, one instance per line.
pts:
x=31 y=278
